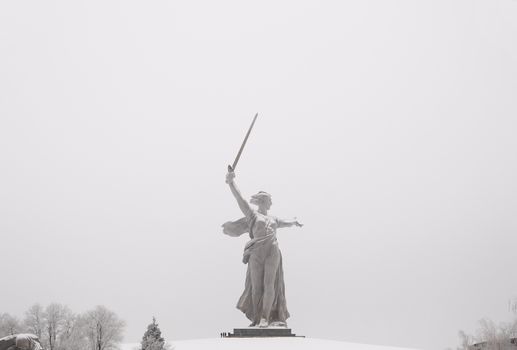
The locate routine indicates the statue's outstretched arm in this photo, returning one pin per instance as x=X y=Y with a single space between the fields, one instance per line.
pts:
x=243 y=204
x=288 y=223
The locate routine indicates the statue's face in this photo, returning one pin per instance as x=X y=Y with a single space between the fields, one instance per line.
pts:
x=262 y=202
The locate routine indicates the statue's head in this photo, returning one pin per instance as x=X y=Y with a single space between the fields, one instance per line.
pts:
x=262 y=200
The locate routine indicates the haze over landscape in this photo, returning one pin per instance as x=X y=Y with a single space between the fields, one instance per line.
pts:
x=386 y=127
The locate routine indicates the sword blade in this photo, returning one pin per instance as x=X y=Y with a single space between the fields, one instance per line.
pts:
x=244 y=143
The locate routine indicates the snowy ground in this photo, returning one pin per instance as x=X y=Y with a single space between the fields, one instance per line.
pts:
x=129 y=346
x=267 y=343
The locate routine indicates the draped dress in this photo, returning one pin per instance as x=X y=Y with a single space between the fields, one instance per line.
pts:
x=263 y=241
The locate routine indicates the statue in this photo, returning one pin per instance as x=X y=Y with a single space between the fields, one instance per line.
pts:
x=20 y=342
x=263 y=300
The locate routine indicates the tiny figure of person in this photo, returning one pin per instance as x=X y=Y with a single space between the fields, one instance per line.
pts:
x=20 y=342
x=263 y=300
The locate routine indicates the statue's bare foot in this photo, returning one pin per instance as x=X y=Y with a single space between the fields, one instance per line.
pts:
x=253 y=324
x=263 y=323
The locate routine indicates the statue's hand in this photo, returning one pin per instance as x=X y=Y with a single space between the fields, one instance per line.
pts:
x=229 y=177
x=298 y=224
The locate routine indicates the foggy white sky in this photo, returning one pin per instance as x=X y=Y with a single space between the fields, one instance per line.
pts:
x=387 y=127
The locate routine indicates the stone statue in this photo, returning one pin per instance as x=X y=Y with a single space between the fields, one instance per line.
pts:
x=263 y=300
x=20 y=342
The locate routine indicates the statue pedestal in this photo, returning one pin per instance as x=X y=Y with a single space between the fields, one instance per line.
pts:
x=256 y=332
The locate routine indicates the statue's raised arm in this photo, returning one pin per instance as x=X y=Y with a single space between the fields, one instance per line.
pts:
x=243 y=203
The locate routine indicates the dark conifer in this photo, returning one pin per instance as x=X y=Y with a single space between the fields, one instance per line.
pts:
x=152 y=339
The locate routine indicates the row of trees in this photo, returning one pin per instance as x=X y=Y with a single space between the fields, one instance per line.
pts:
x=491 y=336
x=58 y=328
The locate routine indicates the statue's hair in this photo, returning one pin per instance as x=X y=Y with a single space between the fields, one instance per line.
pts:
x=261 y=195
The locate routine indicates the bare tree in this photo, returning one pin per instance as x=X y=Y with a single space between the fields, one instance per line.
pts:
x=73 y=335
x=513 y=329
x=103 y=328
x=496 y=337
x=55 y=321
x=466 y=341
x=9 y=325
x=490 y=336
x=35 y=320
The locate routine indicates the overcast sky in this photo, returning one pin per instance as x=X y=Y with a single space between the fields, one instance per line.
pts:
x=387 y=127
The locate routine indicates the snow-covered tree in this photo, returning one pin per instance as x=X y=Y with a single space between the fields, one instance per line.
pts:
x=103 y=328
x=73 y=334
x=9 y=325
x=56 y=317
x=466 y=341
x=490 y=336
x=35 y=320
x=152 y=339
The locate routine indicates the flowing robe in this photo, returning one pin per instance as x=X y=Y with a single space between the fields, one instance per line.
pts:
x=262 y=231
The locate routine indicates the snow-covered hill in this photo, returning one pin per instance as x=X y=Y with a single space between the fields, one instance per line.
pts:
x=287 y=343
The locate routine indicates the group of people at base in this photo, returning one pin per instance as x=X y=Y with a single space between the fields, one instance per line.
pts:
x=20 y=342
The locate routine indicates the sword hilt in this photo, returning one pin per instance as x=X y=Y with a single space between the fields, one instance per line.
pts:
x=230 y=169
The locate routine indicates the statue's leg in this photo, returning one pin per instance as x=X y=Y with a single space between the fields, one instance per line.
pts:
x=257 y=286
x=270 y=270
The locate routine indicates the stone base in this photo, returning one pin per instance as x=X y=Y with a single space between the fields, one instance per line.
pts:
x=256 y=332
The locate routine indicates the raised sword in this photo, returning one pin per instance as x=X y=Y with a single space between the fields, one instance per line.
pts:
x=232 y=167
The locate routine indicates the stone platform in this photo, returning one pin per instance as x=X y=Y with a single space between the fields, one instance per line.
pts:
x=256 y=332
